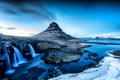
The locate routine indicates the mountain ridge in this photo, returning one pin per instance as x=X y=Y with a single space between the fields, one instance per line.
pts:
x=54 y=31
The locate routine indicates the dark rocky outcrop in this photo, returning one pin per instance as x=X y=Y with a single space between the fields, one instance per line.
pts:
x=58 y=52
x=115 y=53
x=58 y=57
x=21 y=45
x=43 y=45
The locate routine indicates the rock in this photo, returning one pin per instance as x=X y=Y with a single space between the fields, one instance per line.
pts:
x=59 y=57
x=46 y=45
x=62 y=45
x=58 y=51
x=21 y=45
x=115 y=53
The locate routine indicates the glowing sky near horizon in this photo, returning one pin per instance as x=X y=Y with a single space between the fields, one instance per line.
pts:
x=78 y=19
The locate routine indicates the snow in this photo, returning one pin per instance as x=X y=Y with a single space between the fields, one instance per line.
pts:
x=107 y=35
x=109 y=70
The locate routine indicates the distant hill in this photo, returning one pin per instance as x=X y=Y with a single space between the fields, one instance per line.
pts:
x=1 y=34
x=53 y=31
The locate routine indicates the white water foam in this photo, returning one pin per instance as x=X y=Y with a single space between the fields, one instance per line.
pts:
x=8 y=72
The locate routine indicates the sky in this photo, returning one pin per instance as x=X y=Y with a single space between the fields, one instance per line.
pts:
x=77 y=18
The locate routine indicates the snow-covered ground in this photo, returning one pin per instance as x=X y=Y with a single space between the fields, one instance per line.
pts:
x=109 y=70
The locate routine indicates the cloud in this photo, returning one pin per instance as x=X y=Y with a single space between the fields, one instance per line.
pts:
x=31 y=8
x=10 y=11
x=0 y=27
x=11 y=28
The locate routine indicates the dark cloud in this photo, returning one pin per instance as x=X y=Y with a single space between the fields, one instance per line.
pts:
x=21 y=2
x=0 y=27
x=32 y=8
x=10 y=11
x=11 y=28
x=37 y=10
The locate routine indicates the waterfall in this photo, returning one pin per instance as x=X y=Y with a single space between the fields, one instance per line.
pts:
x=15 y=63
x=18 y=58
x=8 y=60
x=9 y=67
x=32 y=51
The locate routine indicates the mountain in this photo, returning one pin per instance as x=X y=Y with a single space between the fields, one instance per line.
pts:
x=1 y=34
x=53 y=31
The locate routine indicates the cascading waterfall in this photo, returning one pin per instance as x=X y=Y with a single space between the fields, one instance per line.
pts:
x=32 y=51
x=15 y=64
x=8 y=60
x=18 y=58
x=9 y=67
